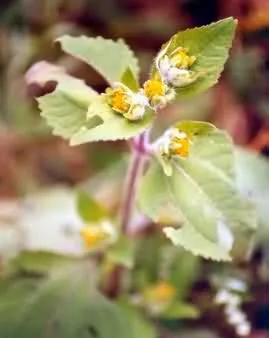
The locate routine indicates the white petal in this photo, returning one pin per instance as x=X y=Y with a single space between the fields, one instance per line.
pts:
x=243 y=329
x=223 y=296
x=236 y=317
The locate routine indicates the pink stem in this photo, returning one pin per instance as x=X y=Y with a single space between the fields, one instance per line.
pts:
x=135 y=171
x=134 y=174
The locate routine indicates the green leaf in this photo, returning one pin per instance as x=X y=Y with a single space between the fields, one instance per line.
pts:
x=202 y=195
x=88 y=209
x=180 y=310
x=122 y=252
x=252 y=180
x=210 y=44
x=129 y=80
x=40 y=262
x=185 y=270
x=109 y=58
x=81 y=115
x=137 y=323
x=210 y=141
x=113 y=127
x=66 y=305
x=65 y=109
x=195 y=128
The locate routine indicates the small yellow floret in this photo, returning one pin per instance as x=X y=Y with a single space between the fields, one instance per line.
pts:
x=154 y=88
x=119 y=100
x=93 y=236
x=181 y=146
x=162 y=292
x=182 y=59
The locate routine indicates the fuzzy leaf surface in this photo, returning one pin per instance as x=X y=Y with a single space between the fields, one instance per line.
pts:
x=109 y=58
x=202 y=195
x=210 y=45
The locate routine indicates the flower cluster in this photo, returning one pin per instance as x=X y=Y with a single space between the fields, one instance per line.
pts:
x=174 y=143
x=132 y=105
x=173 y=71
x=234 y=315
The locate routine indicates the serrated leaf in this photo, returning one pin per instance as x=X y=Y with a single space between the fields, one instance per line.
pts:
x=89 y=209
x=193 y=241
x=65 y=305
x=205 y=201
x=87 y=120
x=109 y=58
x=65 y=109
x=114 y=127
x=210 y=44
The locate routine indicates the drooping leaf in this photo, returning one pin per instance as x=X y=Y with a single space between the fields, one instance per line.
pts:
x=66 y=305
x=253 y=182
x=202 y=195
x=89 y=209
x=81 y=115
x=65 y=109
x=210 y=44
x=109 y=58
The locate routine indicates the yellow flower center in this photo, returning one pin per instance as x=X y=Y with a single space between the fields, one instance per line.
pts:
x=182 y=60
x=153 y=88
x=180 y=146
x=93 y=236
x=162 y=292
x=119 y=100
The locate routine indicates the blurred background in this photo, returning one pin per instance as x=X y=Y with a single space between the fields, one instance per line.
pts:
x=38 y=171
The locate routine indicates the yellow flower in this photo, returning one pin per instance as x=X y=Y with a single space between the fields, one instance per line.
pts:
x=158 y=93
x=174 y=68
x=174 y=142
x=132 y=105
x=159 y=296
x=161 y=292
x=154 y=88
x=119 y=100
x=181 y=59
x=180 y=145
x=97 y=236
